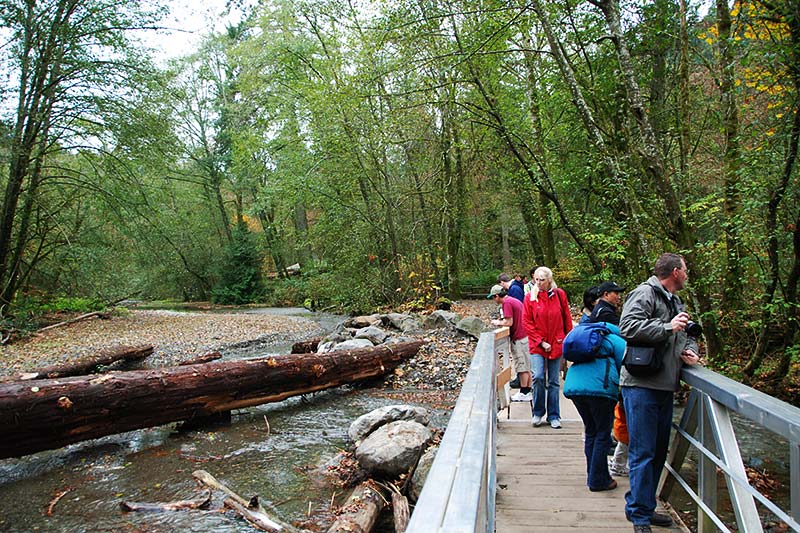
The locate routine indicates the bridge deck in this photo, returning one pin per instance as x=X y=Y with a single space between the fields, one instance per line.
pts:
x=541 y=478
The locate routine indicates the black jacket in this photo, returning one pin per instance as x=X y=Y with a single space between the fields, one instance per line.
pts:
x=604 y=312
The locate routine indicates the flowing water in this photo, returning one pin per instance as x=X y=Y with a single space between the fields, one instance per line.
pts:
x=272 y=450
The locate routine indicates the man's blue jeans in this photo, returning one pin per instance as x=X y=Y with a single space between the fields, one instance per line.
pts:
x=553 y=367
x=649 y=417
x=597 y=414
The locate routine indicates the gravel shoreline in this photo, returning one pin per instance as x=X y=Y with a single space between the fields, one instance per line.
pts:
x=175 y=336
x=439 y=367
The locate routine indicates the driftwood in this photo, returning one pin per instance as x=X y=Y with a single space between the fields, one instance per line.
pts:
x=251 y=510
x=401 y=512
x=51 y=413
x=56 y=499
x=89 y=364
x=361 y=510
x=98 y=314
x=200 y=359
x=309 y=346
x=201 y=502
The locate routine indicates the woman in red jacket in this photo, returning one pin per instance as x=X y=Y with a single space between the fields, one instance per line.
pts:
x=547 y=321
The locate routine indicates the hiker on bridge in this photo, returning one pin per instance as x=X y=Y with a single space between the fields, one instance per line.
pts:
x=511 y=309
x=547 y=320
x=653 y=316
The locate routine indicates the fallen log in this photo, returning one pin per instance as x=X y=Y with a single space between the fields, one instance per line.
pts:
x=251 y=510
x=401 y=512
x=52 y=413
x=309 y=346
x=361 y=510
x=93 y=314
x=201 y=502
x=89 y=364
x=200 y=359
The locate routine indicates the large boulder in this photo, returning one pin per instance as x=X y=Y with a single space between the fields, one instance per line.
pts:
x=393 y=449
x=472 y=326
x=421 y=473
x=440 y=319
x=352 y=344
x=363 y=321
x=369 y=422
x=372 y=333
x=403 y=322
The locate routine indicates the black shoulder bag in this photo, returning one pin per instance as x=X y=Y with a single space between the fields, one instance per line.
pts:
x=645 y=360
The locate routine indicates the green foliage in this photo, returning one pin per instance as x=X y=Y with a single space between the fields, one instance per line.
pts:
x=240 y=270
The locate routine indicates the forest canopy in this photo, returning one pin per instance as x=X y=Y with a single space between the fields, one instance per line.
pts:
x=401 y=151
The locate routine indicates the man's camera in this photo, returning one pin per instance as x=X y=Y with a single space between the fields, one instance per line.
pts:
x=693 y=329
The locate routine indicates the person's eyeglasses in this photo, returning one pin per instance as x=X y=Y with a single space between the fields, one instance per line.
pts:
x=540 y=279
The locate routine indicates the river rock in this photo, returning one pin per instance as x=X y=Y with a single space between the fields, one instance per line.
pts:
x=421 y=472
x=393 y=449
x=369 y=422
x=352 y=344
x=403 y=322
x=472 y=326
x=372 y=333
x=363 y=321
x=440 y=319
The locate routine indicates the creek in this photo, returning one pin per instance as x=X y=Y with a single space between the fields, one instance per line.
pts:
x=272 y=450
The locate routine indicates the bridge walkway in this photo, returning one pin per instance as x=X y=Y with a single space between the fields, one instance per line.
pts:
x=541 y=478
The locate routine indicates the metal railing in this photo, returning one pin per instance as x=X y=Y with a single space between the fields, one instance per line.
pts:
x=459 y=492
x=712 y=399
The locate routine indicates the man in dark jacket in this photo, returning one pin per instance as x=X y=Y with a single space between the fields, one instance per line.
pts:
x=653 y=315
x=606 y=308
x=514 y=286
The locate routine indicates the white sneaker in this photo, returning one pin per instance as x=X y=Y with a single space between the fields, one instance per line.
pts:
x=520 y=397
x=537 y=421
x=615 y=470
x=555 y=423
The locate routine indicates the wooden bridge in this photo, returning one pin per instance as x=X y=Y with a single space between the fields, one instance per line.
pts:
x=541 y=478
x=495 y=472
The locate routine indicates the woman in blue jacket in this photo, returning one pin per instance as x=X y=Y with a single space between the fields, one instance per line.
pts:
x=593 y=387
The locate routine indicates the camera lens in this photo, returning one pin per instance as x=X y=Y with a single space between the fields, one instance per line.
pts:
x=693 y=329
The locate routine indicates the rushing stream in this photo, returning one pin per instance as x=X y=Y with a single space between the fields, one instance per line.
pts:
x=271 y=450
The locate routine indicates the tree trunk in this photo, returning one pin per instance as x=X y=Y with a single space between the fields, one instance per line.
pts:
x=58 y=412
x=361 y=510
x=732 y=293
x=89 y=364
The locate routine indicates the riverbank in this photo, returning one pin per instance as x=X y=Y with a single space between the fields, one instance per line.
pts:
x=179 y=336
x=175 y=336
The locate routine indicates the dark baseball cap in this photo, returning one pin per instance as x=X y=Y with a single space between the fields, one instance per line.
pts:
x=609 y=286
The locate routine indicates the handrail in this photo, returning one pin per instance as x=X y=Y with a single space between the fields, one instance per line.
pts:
x=708 y=412
x=459 y=491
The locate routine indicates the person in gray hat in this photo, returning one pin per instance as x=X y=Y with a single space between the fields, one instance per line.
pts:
x=607 y=307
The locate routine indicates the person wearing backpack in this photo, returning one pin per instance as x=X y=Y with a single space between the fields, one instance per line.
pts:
x=547 y=321
x=655 y=318
x=609 y=297
x=593 y=386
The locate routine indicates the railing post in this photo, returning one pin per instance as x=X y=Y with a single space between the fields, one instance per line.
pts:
x=794 y=478
x=728 y=450
x=707 y=470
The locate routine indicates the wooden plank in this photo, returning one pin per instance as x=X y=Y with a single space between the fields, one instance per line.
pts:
x=503 y=377
x=541 y=479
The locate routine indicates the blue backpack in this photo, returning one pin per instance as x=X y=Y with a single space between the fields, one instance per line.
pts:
x=583 y=343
